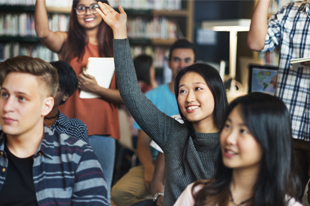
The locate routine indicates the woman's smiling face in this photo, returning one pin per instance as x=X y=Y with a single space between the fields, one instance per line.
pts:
x=240 y=149
x=89 y=20
x=195 y=99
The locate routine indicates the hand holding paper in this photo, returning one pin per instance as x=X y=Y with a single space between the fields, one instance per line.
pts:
x=99 y=72
x=300 y=62
x=87 y=83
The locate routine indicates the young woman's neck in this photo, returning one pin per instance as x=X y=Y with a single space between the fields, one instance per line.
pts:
x=206 y=126
x=92 y=36
x=242 y=183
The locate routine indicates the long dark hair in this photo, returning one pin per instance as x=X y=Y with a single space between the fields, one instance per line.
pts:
x=216 y=86
x=268 y=120
x=74 y=45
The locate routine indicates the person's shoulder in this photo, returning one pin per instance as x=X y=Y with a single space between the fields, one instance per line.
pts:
x=64 y=141
x=295 y=6
x=70 y=123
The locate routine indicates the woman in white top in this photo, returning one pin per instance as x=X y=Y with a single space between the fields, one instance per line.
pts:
x=256 y=165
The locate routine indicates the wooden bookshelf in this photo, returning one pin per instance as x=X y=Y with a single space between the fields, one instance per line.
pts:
x=183 y=19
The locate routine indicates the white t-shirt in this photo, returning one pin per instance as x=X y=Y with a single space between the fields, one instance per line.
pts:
x=186 y=198
x=178 y=118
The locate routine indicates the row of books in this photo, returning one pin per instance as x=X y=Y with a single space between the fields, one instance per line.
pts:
x=270 y=58
x=131 y=4
x=9 y=50
x=59 y=3
x=50 y=3
x=148 y=4
x=18 y=2
x=17 y=25
x=23 y=24
x=159 y=54
x=154 y=28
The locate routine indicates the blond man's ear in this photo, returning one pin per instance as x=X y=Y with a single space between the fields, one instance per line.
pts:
x=48 y=104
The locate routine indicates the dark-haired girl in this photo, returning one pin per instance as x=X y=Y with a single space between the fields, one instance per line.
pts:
x=256 y=165
x=191 y=148
x=88 y=36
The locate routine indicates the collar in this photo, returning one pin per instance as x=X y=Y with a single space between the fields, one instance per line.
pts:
x=60 y=121
x=2 y=142
x=306 y=8
x=46 y=146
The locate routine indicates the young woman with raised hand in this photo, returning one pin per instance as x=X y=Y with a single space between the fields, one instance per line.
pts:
x=256 y=164
x=88 y=36
x=191 y=148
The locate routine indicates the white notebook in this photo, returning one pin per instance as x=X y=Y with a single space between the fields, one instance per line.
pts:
x=102 y=68
x=297 y=62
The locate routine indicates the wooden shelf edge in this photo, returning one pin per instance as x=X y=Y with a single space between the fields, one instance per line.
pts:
x=165 y=42
x=59 y=10
x=30 y=39
x=170 y=12
x=130 y=11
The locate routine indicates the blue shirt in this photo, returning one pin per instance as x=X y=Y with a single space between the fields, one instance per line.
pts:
x=65 y=171
x=165 y=101
x=71 y=126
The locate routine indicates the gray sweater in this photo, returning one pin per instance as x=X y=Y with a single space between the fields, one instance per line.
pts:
x=165 y=131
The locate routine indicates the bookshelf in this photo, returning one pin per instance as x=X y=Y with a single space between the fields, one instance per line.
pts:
x=177 y=15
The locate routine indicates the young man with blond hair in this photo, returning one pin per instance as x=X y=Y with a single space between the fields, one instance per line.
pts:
x=39 y=166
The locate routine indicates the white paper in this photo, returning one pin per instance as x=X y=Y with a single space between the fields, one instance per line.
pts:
x=299 y=60
x=102 y=68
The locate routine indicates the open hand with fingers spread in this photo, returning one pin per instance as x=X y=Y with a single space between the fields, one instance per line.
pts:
x=117 y=21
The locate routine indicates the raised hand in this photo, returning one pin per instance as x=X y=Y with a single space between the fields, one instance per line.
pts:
x=117 y=21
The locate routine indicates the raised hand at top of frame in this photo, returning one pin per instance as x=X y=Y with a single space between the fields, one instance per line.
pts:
x=117 y=21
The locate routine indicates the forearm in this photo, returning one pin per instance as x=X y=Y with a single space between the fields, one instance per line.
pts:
x=157 y=186
x=158 y=181
x=50 y=39
x=145 y=158
x=41 y=19
x=258 y=27
x=109 y=95
x=144 y=150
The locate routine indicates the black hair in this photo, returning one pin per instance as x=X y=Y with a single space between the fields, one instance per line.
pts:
x=217 y=88
x=268 y=120
x=182 y=44
x=143 y=64
x=68 y=81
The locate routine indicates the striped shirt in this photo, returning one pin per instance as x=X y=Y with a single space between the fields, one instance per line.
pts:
x=71 y=126
x=65 y=171
x=290 y=30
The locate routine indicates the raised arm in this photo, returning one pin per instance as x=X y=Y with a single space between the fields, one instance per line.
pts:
x=117 y=21
x=50 y=39
x=153 y=122
x=258 y=28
